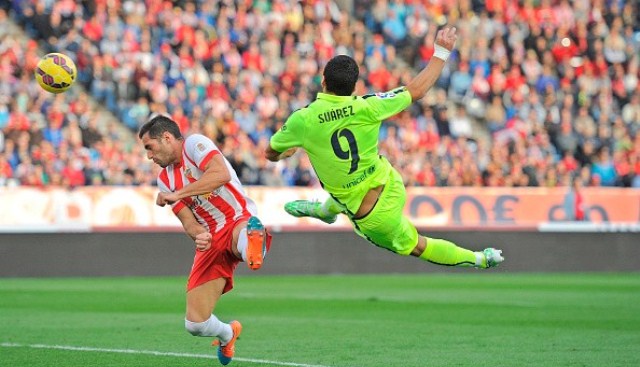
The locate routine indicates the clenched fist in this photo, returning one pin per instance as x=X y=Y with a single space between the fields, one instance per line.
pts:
x=203 y=241
x=165 y=198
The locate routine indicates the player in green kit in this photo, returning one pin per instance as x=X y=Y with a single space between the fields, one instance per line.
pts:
x=340 y=132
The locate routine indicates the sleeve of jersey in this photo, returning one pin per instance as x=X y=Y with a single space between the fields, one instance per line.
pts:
x=290 y=135
x=163 y=186
x=200 y=149
x=387 y=104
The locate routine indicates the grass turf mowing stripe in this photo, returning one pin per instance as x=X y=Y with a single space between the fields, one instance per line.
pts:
x=151 y=352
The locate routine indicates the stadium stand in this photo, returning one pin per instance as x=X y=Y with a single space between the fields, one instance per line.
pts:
x=537 y=93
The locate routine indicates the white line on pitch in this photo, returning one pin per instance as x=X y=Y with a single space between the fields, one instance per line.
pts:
x=151 y=352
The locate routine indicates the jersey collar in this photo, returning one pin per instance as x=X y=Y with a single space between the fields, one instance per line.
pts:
x=333 y=97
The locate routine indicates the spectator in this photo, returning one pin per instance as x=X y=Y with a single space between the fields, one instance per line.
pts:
x=461 y=80
x=530 y=71
x=574 y=204
x=603 y=169
x=460 y=124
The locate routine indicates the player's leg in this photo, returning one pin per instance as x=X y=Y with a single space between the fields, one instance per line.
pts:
x=200 y=321
x=386 y=226
x=327 y=211
x=251 y=242
x=443 y=252
x=400 y=236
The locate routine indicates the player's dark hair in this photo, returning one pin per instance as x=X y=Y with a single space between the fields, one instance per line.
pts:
x=158 y=125
x=340 y=75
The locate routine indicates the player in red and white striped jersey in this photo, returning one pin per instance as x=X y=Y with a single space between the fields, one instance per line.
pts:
x=206 y=195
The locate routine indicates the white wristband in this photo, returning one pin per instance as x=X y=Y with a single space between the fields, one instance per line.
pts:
x=441 y=52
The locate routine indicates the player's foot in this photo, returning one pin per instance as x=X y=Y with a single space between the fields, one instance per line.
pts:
x=306 y=208
x=226 y=352
x=257 y=246
x=493 y=257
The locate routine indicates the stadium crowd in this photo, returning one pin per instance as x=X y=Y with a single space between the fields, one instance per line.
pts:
x=538 y=91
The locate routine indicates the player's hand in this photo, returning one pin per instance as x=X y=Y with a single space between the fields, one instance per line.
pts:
x=203 y=241
x=447 y=37
x=165 y=198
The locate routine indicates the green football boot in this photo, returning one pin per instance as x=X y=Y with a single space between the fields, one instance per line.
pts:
x=493 y=257
x=306 y=208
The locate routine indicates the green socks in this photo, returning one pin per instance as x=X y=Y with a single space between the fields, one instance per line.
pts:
x=330 y=207
x=443 y=252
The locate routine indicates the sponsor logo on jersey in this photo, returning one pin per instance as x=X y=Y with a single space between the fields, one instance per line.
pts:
x=199 y=200
x=369 y=171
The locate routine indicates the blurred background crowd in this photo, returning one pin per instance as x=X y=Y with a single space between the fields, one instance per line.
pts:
x=538 y=92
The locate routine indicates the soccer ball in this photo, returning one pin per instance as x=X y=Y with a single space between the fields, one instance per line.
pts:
x=55 y=72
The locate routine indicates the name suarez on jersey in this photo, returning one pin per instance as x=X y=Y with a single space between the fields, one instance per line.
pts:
x=336 y=114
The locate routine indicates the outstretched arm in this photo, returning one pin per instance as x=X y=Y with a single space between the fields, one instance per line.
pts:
x=445 y=41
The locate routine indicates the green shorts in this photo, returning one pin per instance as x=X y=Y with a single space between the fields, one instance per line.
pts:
x=385 y=225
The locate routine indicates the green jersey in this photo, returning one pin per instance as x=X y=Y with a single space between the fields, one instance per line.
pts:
x=340 y=136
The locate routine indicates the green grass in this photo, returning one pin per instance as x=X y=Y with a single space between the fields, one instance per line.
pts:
x=475 y=319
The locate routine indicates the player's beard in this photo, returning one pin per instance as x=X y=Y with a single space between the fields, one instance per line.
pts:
x=162 y=161
x=166 y=157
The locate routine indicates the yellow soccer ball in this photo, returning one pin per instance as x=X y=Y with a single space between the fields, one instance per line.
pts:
x=56 y=72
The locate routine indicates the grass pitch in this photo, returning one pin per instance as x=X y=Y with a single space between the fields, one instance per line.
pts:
x=474 y=319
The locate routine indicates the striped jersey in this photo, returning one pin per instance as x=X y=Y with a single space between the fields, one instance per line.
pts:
x=214 y=210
